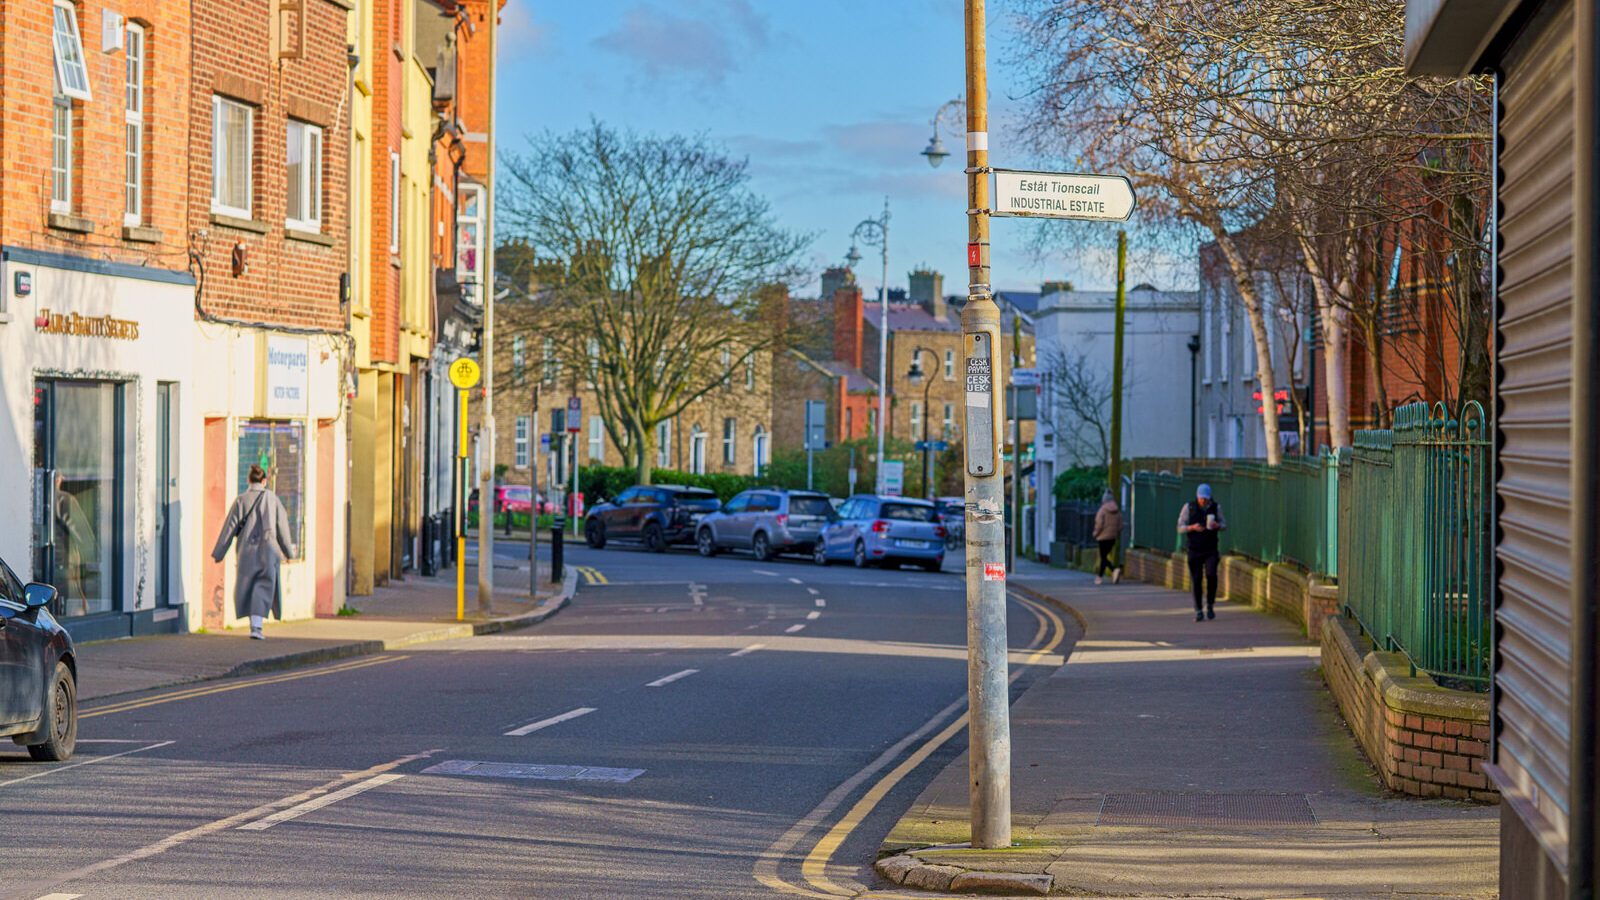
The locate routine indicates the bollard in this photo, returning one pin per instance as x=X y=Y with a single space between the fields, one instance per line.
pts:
x=557 y=563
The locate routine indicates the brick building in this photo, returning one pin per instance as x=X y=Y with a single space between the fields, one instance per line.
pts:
x=97 y=325
x=268 y=97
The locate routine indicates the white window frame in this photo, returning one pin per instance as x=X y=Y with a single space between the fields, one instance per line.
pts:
x=664 y=444
x=476 y=222
x=519 y=356
x=521 y=442
x=133 y=102
x=394 y=203
x=62 y=164
x=220 y=160
x=597 y=439
x=71 y=65
x=697 y=451
x=949 y=424
x=916 y=420
x=310 y=140
x=949 y=365
x=761 y=447
x=750 y=372
x=730 y=441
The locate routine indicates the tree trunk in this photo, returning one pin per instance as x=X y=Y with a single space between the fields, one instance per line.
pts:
x=1335 y=320
x=1266 y=375
x=643 y=443
x=1380 y=394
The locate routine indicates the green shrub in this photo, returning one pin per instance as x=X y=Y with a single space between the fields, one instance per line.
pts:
x=1080 y=483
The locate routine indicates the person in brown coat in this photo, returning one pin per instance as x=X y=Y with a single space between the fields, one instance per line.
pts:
x=1107 y=530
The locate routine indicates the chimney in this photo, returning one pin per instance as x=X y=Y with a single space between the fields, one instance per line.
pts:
x=773 y=301
x=835 y=278
x=927 y=291
x=847 y=309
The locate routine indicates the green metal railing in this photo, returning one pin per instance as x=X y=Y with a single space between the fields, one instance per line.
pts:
x=1401 y=520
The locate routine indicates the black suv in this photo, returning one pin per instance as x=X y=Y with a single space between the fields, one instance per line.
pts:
x=654 y=515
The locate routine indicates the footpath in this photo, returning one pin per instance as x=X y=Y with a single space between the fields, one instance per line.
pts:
x=401 y=614
x=1175 y=758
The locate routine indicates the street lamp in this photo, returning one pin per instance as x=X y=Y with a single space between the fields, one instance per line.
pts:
x=875 y=232
x=916 y=377
x=1194 y=361
x=953 y=114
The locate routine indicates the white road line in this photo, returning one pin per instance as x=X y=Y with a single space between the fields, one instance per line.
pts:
x=295 y=812
x=821 y=602
x=531 y=727
x=765 y=572
x=814 y=615
x=793 y=628
x=87 y=762
x=60 y=897
x=813 y=591
x=697 y=593
x=796 y=581
x=659 y=682
x=750 y=649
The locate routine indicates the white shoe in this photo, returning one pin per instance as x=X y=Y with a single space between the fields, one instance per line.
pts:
x=1116 y=576
x=1097 y=579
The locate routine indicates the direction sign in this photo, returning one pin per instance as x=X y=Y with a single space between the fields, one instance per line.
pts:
x=574 y=414
x=464 y=373
x=1025 y=377
x=935 y=446
x=1062 y=195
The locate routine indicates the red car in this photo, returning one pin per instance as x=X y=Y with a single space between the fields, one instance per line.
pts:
x=513 y=499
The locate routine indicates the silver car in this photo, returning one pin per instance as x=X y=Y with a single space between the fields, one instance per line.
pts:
x=767 y=522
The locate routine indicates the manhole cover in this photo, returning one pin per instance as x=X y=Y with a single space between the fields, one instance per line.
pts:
x=532 y=771
x=1183 y=810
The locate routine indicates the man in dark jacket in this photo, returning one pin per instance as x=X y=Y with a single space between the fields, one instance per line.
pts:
x=1200 y=522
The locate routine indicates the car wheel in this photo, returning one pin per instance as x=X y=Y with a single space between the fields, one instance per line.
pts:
x=594 y=534
x=654 y=541
x=860 y=558
x=60 y=718
x=761 y=547
x=819 y=554
x=705 y=543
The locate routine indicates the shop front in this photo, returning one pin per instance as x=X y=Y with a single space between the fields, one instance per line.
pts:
x=95 y=368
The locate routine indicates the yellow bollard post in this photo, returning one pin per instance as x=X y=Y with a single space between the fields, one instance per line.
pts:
x=461 y=536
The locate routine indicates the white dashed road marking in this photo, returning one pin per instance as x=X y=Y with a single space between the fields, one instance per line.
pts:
x=60 y=897
x=796 y=581
x=295 y=812
x=793 y=628
x=87 y=762
x=660 y=682
x=765 y=572
x=814 y=615
x=697 y=593
x=748 y=650
x=821 y=602
x=531 y=727
x=813 y=591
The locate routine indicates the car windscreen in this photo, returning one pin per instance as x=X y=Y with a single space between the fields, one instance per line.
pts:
x=707 y=501
x=519 y=493
x=809 y=506
x=906 y=512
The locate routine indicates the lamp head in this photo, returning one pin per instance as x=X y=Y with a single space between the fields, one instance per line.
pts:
x=915 y=375
x=853 y=257
x=935 y=151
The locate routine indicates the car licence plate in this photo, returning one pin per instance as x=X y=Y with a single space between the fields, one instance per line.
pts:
x=911 y=545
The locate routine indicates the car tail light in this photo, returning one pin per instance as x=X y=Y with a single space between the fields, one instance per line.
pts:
x=938 y=531
x=880 y=527
x=783 y=520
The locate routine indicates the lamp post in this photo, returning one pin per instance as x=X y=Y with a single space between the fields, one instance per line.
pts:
x=916 y=377
x=1194 y=389
x=951 y=115
x=875 y=232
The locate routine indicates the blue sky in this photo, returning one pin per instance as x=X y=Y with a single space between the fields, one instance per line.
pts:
x=830 y=100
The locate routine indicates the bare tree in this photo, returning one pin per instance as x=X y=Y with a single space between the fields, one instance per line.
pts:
x=1077 y=406
x=665 y=255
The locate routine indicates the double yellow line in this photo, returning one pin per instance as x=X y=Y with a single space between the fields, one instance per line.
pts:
x=191 y=693
x=591 y=575
x=1051 y=632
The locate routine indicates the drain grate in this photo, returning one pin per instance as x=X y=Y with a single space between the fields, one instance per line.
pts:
x=532 y=771
x=1185 y=810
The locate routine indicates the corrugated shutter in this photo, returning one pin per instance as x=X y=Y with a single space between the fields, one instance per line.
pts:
x=1533 y=680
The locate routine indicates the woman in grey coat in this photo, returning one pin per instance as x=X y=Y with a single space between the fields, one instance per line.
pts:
x=261 y=524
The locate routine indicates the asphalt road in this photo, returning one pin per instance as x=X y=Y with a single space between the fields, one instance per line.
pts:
x=687 y=728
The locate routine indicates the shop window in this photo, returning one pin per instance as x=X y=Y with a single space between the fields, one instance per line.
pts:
x=279 y=448
x=80 y=486
x=232 y=138
x=305 y=177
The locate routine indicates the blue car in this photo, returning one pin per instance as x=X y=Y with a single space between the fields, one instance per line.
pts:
x=872 y=530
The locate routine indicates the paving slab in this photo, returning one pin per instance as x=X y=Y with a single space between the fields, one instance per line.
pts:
x=1170 y=757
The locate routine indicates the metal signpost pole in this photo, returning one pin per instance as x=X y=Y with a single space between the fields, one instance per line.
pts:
x=1114 y=470
x=574 y=428
x=533 y=511
x=987 y=683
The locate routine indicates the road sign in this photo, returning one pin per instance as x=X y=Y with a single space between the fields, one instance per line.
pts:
x=574 y=414
x=544 y=443
x=464 y=373
x=935 y=446
x=816 y=437
x=1025 y=377
x=1062 y=195
x=894 y=477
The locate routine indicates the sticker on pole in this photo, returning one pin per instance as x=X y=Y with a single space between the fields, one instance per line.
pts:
x=994 y=571
x=464 y=373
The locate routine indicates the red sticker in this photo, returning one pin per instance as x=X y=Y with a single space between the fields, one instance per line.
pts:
x=994 y=571
x=974 y=257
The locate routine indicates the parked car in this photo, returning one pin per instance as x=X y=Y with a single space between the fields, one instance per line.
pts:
x=657 y=516
x=38 y=675
x=767 y=522
x=889 y=531
x=953 y=515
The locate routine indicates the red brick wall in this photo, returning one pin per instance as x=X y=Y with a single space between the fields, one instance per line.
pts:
x=847 y=330
x=288 y=282
x=26 y=78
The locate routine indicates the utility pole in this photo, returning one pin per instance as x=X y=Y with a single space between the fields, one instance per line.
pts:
x=1015 y=547
x=486 y=476
x=989 y=747
x=1114 y=471
x=533 y=514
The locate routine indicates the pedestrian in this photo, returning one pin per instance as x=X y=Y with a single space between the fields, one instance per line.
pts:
x=1200 y=522
x=1107 y=530
x=261 y=524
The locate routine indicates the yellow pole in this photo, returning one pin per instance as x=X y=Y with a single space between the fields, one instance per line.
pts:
x=461 y=535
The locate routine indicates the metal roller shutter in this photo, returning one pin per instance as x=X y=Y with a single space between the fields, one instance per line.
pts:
x=1533 y=690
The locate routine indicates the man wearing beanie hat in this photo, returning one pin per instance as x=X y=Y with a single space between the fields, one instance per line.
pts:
x=1200 y=522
